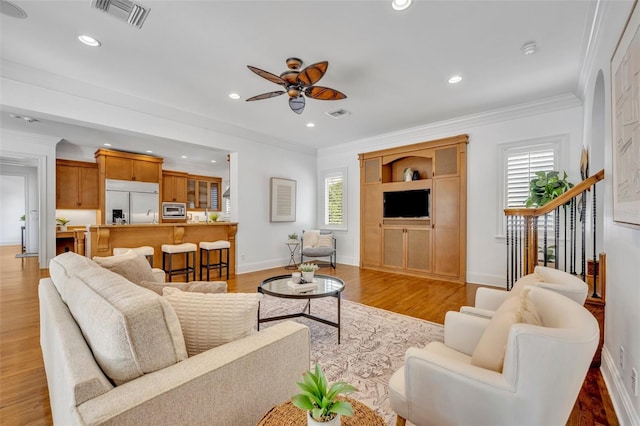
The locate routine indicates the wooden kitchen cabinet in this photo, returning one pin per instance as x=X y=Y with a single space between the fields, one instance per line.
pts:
x=204 y=192
x=129 y=166
x=76 y=185
x=432 y=245
x=174 y=186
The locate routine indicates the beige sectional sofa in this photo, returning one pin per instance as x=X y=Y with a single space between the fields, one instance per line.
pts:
x=114 y=354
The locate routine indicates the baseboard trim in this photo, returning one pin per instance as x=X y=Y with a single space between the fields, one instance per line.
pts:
x=486 y=279
x=620 y=398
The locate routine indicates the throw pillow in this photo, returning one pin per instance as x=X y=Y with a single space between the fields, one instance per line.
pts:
x=490 y=350
x=210 y=320
x=193 y=286
x=325 y=240
x=130 y=265
x=529 y=313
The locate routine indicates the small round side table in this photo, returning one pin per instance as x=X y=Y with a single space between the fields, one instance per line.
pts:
x=288 y=414
x=293 y=246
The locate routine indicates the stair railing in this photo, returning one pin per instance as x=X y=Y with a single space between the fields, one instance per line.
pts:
x=565 y=215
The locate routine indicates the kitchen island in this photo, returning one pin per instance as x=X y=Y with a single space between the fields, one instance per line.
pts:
x=104 y=238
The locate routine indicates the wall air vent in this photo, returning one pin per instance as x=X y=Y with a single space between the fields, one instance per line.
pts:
x=125 y=10
x=339 y=113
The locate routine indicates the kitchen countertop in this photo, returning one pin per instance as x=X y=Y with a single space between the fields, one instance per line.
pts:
x=169 y=224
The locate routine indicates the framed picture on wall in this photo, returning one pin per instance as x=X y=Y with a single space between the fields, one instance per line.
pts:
x=283 y=200
x=625 y=110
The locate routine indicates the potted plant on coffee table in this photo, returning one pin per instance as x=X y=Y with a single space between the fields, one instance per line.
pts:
x=320 y=401
x=308 y=269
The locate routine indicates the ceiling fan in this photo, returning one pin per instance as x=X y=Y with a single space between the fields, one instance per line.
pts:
x=298 y=83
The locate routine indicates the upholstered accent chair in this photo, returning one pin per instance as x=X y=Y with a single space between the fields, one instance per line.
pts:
x=315 y=243
x=488 y=299
x=525 y=374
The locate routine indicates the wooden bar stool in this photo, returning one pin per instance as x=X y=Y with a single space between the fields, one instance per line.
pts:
x=218 y=247
x=146 y=251
x=168 y=250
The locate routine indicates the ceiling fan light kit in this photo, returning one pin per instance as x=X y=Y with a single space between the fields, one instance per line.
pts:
x=298 y=84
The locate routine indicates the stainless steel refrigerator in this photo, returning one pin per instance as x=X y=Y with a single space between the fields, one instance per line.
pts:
x=131 y=202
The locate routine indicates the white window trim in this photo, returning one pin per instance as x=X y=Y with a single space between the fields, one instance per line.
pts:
x=323 y=175
x=559 y=143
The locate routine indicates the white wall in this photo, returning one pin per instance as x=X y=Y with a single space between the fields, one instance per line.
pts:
x=621 y=243
x=260 y=243
x=13 y=204
x=41 y=151
x=486 y=253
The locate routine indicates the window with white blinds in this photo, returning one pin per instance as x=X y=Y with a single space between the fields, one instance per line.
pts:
x=213 y=197
x=519 y=163
x=334 y=200
x=521 y=167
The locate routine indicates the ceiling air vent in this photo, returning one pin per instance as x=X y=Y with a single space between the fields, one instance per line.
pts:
x=339 y=113
x=125 y=10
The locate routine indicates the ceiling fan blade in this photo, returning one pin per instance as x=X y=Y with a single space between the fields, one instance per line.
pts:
x=324 y=93
x=313 y=73
x=297 y=104
x=267 y=95
x=265 y=74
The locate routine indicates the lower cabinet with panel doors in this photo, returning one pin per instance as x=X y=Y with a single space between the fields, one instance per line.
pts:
x=407 y=248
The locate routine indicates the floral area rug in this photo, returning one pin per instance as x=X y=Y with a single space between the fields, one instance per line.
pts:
x=372 y=346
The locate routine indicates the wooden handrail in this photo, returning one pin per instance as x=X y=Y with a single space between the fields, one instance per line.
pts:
x=557 y=202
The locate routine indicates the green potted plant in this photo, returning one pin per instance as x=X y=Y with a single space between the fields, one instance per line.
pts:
x=320 y=401
x=308 y=269
x=293 y=237
x=23 y=218
x=62 y=222
x=545 y=187
x=213 y=217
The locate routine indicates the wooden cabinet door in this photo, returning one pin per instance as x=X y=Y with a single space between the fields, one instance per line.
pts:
x=67 y=187
x=88 y=191
x=180 y=188
x=446 y=226
x=393 y=247
x=118 y=168
x=373 y=170
x=371 y=238
x=418 y=249
x=446 y=161
x=145 y=171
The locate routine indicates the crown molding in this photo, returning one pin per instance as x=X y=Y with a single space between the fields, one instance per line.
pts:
x=457 y=125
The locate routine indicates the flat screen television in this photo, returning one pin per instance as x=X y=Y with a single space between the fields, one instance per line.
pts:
x=409 y=204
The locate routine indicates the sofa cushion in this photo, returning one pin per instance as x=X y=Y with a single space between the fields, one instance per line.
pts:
x=130 y=330
x=325 y=240
x=134 y=267
x=193 y=286
x=63 y=267
x=210 y=320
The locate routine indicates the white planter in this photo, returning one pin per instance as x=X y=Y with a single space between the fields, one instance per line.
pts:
x=334 y=422
x=307 y=276
x=63 y=228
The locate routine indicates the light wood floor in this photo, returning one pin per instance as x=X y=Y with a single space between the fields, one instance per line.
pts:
x=24 y=399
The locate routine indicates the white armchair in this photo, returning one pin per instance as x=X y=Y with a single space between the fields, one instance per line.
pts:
x=488 y=299
x=542 y=373
x=315 y=243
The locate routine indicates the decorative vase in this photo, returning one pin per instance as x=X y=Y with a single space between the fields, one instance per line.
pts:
x=408 y=174
x=312 y=422
x=308 y=276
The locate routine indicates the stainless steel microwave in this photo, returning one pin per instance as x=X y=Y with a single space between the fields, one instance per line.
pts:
x=174 y=210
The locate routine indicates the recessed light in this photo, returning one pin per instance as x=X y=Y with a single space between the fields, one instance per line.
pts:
x=455 y=79
x=106 y=144
x=400 y=4
x=311 y=125
x=149 y=151
x=89 y=41
x=529 y=48
x=213 y=161
x=234 y=96
x=183 y=156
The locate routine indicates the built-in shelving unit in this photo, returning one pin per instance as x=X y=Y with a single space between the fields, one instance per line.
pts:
x=432 y=245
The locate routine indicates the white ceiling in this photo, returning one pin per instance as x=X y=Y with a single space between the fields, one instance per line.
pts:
x=393 y=66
